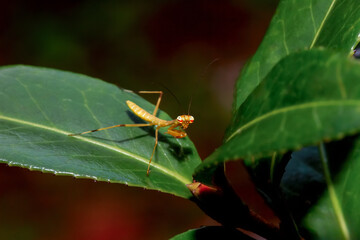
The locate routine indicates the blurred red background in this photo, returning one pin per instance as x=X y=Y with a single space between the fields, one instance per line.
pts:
x=194 y=48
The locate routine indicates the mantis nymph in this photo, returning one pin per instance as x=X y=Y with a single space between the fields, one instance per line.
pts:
x=181 y=121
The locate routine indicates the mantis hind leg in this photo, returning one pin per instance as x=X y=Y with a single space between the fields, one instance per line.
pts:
x=119 y=125
x=152 y=155
x=158 y=101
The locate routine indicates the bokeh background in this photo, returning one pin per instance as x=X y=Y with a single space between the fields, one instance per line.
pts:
x=190 y=49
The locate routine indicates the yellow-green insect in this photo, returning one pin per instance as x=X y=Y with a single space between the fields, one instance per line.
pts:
x=182 y=121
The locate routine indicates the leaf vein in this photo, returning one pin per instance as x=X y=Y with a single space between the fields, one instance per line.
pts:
x=340 y=82
x=292 y=108
x=284 y=36
x=104 y=145
x=34 y=101
x=312 y=16
x=322 y=24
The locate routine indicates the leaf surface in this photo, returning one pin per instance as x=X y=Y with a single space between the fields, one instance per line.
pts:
x=299 y=25
x=336 y=215
x=39 y=107
x=309 y=96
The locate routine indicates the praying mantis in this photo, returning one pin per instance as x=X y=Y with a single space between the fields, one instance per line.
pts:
x=181 y=121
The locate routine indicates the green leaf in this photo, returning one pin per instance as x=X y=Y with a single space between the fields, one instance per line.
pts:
x=336 y=215
x=299 y=25
x=39 y=107
x=303 y=181
x=206 y=233
x=308 y=96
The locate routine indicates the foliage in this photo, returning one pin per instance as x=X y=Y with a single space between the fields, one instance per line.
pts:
x=55 y=103
x=295 y=125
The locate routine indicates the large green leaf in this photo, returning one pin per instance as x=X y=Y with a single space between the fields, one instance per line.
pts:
x=308 y=96
x=40 y=107
x=303 y=181
x=336 y=215
x=299 y=25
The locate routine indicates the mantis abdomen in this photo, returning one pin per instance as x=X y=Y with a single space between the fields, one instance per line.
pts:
x=144 y=115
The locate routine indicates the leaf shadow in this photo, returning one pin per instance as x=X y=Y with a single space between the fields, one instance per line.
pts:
x=119 y=141
x=177 y=151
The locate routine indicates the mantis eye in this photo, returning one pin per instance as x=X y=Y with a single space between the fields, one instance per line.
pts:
x=191 y=119
x=179 y=119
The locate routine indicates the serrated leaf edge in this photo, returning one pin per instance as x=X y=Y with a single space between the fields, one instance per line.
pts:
x=119 y=150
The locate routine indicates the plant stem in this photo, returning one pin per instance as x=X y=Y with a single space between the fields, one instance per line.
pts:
x=272 y=167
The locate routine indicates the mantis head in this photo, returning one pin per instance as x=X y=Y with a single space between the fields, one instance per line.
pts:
x=185 y=120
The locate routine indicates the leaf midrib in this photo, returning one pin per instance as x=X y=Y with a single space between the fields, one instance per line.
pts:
x=293 y=108
x=332 y=193
x=106 y=146
x=322 y=24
